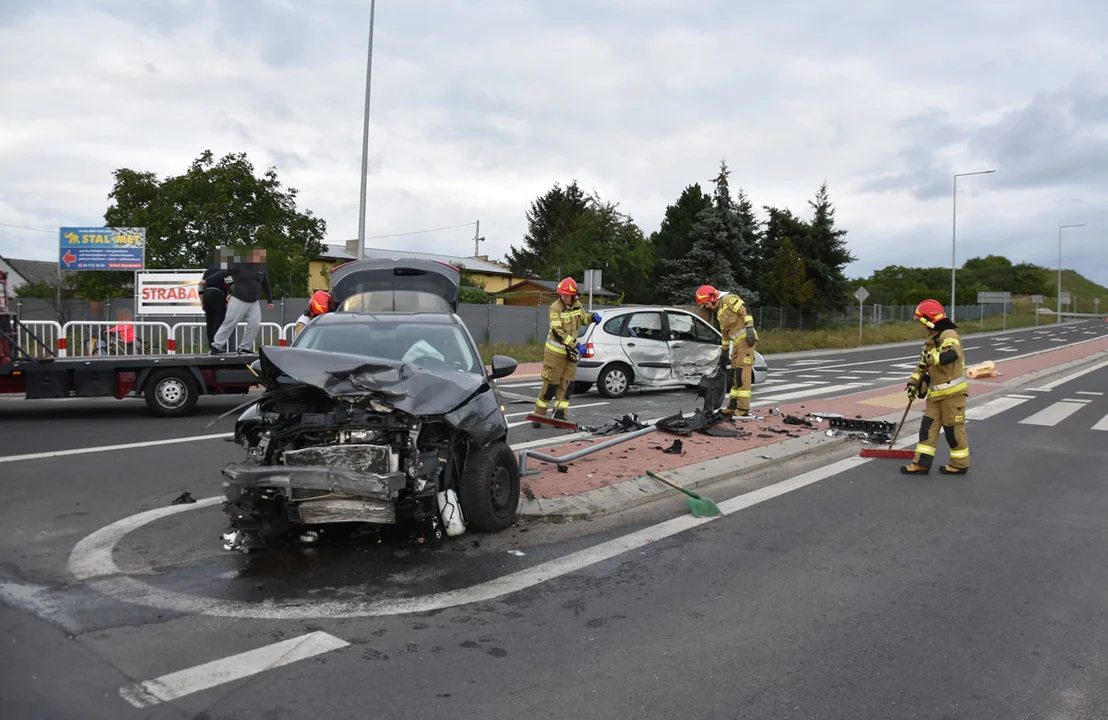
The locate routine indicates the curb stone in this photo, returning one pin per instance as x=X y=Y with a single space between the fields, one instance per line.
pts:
x=641 y=490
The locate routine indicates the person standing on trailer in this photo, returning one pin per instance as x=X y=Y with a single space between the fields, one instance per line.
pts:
x=250 y=279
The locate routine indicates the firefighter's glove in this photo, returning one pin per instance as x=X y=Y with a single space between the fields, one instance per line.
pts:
x=751 y=337
x=723 y=359
x=913 y=391
x=581 y=348
x=596 y=317
x=572 y=355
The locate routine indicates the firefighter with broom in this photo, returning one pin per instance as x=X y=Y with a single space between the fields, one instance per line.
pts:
x=562 y=351
x=940 y=379
x=739 y=340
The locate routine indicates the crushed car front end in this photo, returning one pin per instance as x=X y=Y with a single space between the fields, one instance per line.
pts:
x=347 y=441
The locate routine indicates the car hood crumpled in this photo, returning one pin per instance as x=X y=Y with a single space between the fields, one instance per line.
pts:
x=463 y=400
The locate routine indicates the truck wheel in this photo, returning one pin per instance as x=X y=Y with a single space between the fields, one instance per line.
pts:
x=490 y=488
x=171 y=392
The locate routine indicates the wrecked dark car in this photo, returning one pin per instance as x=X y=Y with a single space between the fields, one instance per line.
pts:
x=380 y=413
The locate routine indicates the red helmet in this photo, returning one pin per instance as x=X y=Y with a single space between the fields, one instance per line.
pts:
x=706 y=293
x=930 y=312
x=321 y=302
x=568 y=286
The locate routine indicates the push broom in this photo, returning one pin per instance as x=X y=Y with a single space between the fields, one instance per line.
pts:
x=890 y=452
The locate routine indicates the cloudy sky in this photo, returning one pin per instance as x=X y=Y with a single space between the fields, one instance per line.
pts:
x=478 y=106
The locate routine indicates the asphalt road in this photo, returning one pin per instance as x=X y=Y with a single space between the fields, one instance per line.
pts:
x=850 y=591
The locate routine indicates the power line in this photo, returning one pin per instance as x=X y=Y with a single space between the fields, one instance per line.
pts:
x=24 y=227
x=419 y=232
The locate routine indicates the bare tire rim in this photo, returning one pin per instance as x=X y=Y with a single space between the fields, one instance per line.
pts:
x=500 y=489
x=616 y=382
x=172 y=393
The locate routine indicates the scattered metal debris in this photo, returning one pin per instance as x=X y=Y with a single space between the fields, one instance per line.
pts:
x=183 y=499
x=794 y=420
x=517 y=553
x=528 y=491
x=675 y=448
x=627 y=423
x=700 y=421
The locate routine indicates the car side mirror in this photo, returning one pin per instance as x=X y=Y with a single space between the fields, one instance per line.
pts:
x=502 y=366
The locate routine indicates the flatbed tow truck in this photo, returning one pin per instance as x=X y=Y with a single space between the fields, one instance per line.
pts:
x=171 y=384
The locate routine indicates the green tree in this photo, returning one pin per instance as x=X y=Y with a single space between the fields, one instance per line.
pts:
x=672 y=240
x=789 y=279
x=553 y=216
x=607 y=239
x=706 y=262
x=215 y=203
x=826 y=254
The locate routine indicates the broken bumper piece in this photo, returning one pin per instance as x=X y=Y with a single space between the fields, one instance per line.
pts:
x=292 y=478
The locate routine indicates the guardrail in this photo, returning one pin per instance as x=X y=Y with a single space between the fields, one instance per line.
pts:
x=38 y=338
x=85 y=338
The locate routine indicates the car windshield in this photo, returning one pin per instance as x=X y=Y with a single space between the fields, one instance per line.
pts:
x=422 y=344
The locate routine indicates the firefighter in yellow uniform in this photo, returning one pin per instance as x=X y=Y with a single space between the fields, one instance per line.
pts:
x=940 y=377
x=739 y=339
x=559 y=358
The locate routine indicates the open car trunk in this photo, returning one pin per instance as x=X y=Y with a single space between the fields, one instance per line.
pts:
x=396 y=286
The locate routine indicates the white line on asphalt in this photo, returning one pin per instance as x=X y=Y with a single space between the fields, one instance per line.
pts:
x=1074 y=376
x=1083 y=401
x=1089 y=392
x=849 y=377
x=809 y=362
x=110 y=448
x=1053 y=414
x=993 y=407
x=1038 y=389
x=801 y=394
x=796 y=386
x=575 y=407
x=1102 y=425
x=809 y=377
x=168 y=688
x=868 y=372
x=1025 y=397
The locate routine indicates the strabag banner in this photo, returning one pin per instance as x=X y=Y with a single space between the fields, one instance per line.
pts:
x=173 y=292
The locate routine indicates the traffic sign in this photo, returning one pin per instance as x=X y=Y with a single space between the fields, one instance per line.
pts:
x=101 y=248
x=984 y=298
x=1036 y=299
x=861 y=294
x=1064 y=298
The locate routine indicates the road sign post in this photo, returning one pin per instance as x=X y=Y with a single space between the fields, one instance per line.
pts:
x=1037 y=301
x=592 y=280
x=996 y=297
x=861 y=293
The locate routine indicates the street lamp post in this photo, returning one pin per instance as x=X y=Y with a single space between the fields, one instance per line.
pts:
x=1059 y=308
x=954 y=237
x=365 y=138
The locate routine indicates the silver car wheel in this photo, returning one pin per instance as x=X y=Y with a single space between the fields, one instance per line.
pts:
x=616 y=382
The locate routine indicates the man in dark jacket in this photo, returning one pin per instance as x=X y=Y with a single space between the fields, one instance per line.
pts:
x=213 y=299
x=250 y=279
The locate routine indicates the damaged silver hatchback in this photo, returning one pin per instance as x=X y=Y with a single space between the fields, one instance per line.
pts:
x=379 y=414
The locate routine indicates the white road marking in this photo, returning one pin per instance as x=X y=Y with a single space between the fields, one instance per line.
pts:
x=572 y=407
x=168 y=688
x=1083 y=401
x=794 y=386
x=1102 y=425
x=1089 y=392
x=1024 y=397
x=809 y=362
x=111 y=448
x=849 y=377
x=1074 y=376
x=1053 y=414
x=801 y=394
x=993 y=407
x=891 y=378
x=868 y=372
x=1007 y=349
x=1038 y=389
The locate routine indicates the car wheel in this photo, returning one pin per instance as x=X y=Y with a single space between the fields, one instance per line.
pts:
x=490 y=488
x=614 y=381
x=579 y=388
x=171 y=393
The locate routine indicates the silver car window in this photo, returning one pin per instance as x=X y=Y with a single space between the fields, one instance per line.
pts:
x=647 y=326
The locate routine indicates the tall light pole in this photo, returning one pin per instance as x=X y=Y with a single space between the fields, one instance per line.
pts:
x=954 y=237
x=1059 y=308
x=365 y=138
